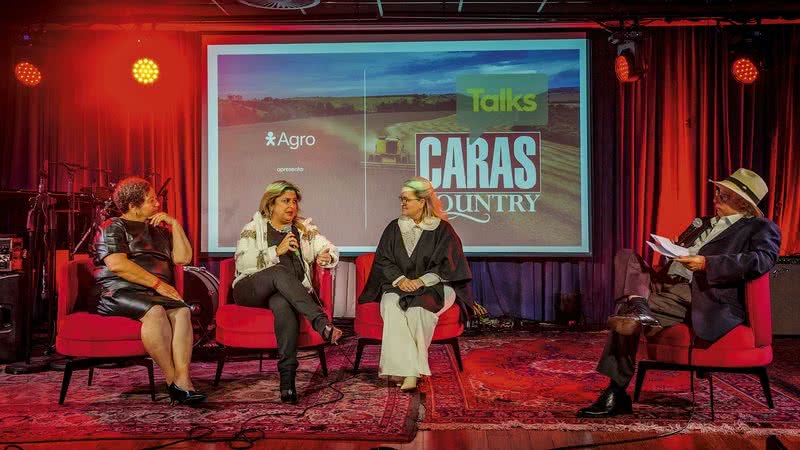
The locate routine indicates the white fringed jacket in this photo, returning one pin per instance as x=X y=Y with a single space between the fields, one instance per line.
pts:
x=253 y=254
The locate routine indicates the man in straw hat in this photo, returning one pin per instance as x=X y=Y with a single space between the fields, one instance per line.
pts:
x=704 y=289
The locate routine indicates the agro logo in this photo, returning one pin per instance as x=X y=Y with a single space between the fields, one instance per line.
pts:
x=292 y=141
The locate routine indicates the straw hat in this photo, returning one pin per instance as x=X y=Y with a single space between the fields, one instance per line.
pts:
x=748 y=185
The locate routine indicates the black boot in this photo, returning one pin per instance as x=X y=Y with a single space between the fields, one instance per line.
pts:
x=610 y=403
x=632 y=316
x=288 y=390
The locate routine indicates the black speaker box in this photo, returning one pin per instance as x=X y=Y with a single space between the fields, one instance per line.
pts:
x=784 y=284
x=12 y=315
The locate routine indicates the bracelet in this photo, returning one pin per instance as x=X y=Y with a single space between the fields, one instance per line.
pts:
x=157 y=284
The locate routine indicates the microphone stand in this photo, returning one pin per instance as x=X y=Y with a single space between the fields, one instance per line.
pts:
x=38 y=282
x=101 y=214
x=70 y=208
x=102 y=211
x=162 y=194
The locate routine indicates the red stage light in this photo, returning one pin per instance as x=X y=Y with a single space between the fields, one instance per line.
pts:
x=145 y=71
x=744 y=70
x=623 y=67
x=27 y=73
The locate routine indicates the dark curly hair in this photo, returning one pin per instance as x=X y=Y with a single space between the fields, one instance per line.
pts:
x=131 y=190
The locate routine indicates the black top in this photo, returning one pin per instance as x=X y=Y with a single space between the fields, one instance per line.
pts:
x=288 y=260
x=148 y=246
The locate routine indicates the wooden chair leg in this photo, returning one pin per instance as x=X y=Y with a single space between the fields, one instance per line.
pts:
x=359 y=351
x=322 y=362
x=220 y=364
x=711 y=392
x=641 y=371
x=151 y=377
x=261 y=362
x=65 y=381
x=456 y=352
x=91 y=375
x=762 y=375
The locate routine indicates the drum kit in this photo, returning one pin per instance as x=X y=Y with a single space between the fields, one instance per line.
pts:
x=86 y=210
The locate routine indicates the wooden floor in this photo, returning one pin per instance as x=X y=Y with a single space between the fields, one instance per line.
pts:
x=513 y=439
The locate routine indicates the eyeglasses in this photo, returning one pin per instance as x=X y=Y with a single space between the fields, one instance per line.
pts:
x=405 y=200
x=723 y=196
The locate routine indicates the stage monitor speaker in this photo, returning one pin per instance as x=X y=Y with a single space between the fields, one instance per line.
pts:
x=12 y=328
x=784 y=283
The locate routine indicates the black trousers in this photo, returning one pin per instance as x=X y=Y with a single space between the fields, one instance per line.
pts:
x=277 y=289
x=670 y=303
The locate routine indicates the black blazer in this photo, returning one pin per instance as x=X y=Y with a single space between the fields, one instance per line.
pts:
x=745 y=251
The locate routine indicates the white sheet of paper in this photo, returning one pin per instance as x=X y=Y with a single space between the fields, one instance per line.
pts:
x=667 y=248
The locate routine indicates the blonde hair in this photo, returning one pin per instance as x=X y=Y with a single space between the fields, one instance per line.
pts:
x=423 y=189
x=275 y=190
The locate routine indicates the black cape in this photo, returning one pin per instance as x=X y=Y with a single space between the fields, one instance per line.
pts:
x=438 y=251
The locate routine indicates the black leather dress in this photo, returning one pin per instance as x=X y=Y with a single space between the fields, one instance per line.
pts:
x=148 y=246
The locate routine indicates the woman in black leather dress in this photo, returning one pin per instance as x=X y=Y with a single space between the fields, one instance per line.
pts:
x=135 y=258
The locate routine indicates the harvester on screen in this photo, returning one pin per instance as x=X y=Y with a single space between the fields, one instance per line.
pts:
x=389 y=150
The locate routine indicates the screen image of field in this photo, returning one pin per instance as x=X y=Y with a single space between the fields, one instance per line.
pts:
x=346 y=128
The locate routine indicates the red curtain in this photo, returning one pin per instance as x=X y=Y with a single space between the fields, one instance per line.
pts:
x=784 y=141
x=89 y=111
x=688 y=121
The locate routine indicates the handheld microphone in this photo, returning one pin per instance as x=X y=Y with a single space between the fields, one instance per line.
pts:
x=286 y=229
x=696 y=223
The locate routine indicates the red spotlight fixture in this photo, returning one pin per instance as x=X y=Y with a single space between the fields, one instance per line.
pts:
x=747 y=55
x=629 y=65
x=744 y=70
x=145 y=71
x=27 y=73
x=623 y=67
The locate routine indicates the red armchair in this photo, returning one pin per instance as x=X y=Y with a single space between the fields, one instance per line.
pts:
x=369 y=323
x=91 y=340
x=745 y=349
x=241 y=329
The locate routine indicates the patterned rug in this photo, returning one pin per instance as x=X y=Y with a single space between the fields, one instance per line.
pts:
x=117 y=405
x=539 y=381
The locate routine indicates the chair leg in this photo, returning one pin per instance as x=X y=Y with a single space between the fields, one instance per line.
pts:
x=91 y=375
x=220 y=364
x=151 y=376
x=361 y=344
x=762 y=375
x=641 y=371
x=711 y=392
x=261 y=362
x=456 y=352
x=322 y=362
x=65 y=381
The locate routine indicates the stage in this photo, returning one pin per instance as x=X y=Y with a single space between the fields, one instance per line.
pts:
x=517 y=388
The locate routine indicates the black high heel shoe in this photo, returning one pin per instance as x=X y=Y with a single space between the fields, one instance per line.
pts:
x=184 y=397
x=289 y=396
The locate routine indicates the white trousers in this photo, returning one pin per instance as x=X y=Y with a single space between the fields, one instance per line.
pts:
x=407 y=335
